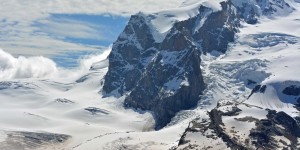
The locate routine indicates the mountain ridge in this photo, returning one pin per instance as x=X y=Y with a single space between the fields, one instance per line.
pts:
x=141 y=67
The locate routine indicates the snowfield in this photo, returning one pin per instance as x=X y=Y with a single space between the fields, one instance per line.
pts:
x=68 y=102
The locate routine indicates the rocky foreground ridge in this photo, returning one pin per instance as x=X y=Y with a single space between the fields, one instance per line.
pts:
x=228 y=121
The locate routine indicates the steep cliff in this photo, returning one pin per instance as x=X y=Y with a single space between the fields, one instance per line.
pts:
x=165 y=77
x=156 y=61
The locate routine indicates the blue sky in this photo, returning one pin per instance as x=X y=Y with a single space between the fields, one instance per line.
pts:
x=88 y=33
x=65 y=30
x=97 y=31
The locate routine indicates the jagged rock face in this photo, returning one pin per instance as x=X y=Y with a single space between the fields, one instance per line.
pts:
x=258 y=88
x=219 y=29
x=172 y=81
x=292 y=90
x=276 y=124
x=128 y=58
x=165 y=77
x=206 y=28
x=166 y=88
x=251 y=10
x=277 y=131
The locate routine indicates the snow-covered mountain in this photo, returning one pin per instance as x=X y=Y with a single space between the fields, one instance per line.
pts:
x=211 y=74
x=156 y=63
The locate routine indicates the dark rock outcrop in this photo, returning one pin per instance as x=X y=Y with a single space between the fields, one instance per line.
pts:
x=218 y=30
x=298 y=104
x=216 y=125
x=258 y=88
x=64 y=100
x=262 y=136
x=127 y=61
x=276 y=124
x=216 y=122
x=96 y=111
x=18 y=140
x=292 y=90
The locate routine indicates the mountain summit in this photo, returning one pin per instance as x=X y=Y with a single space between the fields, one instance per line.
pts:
x=164 y=63
x=156 y=60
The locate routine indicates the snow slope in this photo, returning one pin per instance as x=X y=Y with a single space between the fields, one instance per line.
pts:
x=163 y=21
x=69 y=103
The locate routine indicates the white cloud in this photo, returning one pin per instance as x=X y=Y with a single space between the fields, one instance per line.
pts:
x=71 y=28
x=41 y=67
x=23 y=38
x=41 y=45
x=33 y=9
x=22 y=67
x=19 y=36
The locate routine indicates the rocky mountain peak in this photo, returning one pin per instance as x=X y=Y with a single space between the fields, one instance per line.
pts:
x=157 y=68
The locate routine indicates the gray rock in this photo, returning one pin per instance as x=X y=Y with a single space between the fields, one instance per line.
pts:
x=96 y=111
x=154 y=93
x=64 y=100
x=219 y=29
x=258 y=88
x=17 y=140
x=126 y=61
x=262 y=136
x=266 y=128
x=292 y=90
x=251 y=10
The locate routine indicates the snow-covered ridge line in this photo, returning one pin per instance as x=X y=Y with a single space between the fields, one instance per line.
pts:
x=160 y=23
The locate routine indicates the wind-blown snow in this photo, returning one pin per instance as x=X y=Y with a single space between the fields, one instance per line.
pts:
x=163 y=21
x=214 y=4
x=22 y=67
x=42 y=67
